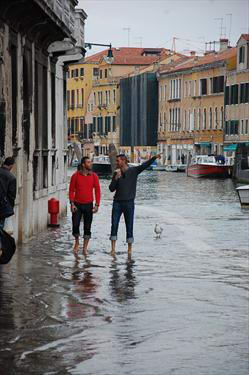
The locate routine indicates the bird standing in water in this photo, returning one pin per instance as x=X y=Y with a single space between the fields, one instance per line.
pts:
x=158 y=230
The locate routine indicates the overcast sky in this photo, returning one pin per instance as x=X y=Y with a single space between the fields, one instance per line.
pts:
x=154 y=23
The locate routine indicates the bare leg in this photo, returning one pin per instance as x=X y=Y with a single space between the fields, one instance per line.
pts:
x=76 y=247
x=85 y=245
x=113 y=247
x=129 y=249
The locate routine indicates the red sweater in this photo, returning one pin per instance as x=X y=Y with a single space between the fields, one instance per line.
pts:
x=81 y=188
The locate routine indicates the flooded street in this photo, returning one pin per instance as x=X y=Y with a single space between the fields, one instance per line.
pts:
x=179 y=306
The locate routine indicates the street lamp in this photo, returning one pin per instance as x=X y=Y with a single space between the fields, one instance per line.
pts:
x=109 y=58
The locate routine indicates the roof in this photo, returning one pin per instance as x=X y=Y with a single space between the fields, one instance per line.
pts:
x=210 y=58
x=244 y=36
x=130 y=55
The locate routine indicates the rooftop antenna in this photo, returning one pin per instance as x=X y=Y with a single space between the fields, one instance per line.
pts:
x=128 y=29
x=230 y=26
x=221 y=27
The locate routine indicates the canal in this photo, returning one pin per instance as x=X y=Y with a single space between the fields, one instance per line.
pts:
x=179 y=306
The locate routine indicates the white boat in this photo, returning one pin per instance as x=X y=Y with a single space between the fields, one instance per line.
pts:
x=160 y=168
x=171 y=168
x=102 y=165
x=208 y=166
x=243 y=193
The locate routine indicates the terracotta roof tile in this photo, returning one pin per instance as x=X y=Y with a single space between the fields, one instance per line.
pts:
x=207 y=59
x=129 y=55
x=245 y=36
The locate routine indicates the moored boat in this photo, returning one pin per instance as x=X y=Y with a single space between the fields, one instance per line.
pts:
x=208 y=166
x=243 y=193
x=101 y=165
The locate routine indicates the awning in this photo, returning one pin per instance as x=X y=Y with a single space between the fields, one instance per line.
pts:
x=231 y=147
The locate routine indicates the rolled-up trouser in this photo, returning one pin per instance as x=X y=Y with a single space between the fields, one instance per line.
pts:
x=127 y=208
x=85 y=210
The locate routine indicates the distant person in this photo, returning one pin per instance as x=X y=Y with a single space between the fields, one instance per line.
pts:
x=182 y=158
x=7 y=190
x=82 y=185
x=124 y=183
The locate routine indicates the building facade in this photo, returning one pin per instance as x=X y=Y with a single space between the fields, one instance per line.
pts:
x=191 y=106
x=33 y=104
x=236 y=138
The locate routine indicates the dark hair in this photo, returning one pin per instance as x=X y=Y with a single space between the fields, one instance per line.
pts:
x=123 y=157
x=9 y=161
x=84 y=159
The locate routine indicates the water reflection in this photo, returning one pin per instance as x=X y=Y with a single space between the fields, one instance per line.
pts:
x=122 y=284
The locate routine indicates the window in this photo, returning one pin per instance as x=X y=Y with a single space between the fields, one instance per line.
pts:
x=246 y=129
x=82 y=97
x=234 y=94
x=218 y=84
x=195 y=87
x=203 y=86
x=216 y=118
x=210 y=85
x=227 y=95
x=186 y=89
x=170 y=119
x=179 y=119
x=210 y=118
x=242 y=127
x=95 y=72
x=242 y=55
x=189 y=88
x=94 y=98
x=221 y=118
x=100 y=74
x=113 y=123
x=199 y=119
x=114 y=96
x=175 y=89
x=81 y=72
x=185 y=120
x=204 y=118
x=72 y=73
x=68 y=99
x=76 y=73
x=164 y=121
x=244 y=93
x=72 y=99
x=106 y=73
x=165 y=92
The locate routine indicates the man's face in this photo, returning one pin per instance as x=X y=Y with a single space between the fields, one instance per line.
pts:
x=120 y=162
x=87 y=164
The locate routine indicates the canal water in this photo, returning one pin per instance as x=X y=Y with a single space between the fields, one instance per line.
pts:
x=179 y=306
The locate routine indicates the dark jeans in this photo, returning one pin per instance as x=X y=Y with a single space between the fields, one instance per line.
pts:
x=2 y=222
x=87 y=211
x=127 y=208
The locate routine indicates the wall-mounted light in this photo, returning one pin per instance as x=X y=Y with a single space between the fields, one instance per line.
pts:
x=109 y=58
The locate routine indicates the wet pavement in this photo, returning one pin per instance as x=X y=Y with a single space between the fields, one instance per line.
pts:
x=179 y=306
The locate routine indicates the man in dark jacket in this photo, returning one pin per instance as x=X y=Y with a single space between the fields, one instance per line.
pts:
x=124 y=182
x=7 y=185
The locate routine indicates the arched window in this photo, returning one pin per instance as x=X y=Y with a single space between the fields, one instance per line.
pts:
x=210 y=118
x=204 y=118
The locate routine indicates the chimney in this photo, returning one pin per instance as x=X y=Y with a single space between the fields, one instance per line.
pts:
x=192 y=53
x=223 y=44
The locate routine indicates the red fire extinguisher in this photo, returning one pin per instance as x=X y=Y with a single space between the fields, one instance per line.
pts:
x=53 y=210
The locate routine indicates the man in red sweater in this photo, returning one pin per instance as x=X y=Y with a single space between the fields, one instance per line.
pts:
x=82 y=184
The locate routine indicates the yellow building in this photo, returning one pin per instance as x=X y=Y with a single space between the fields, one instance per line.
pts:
x=79 y=86
x=191 y=106
x=93 y=94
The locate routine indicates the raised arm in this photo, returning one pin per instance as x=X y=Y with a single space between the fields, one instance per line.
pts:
x=147 y=163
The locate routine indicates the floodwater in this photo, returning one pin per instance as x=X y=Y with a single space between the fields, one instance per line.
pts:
x=179 y=306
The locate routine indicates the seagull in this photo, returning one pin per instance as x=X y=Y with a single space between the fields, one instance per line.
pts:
x=158 y=230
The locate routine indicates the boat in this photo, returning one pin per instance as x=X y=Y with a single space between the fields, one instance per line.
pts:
x=160 y=168
x=101 y=165
x=208 y=166
x=171 y=168
x=243 y=193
